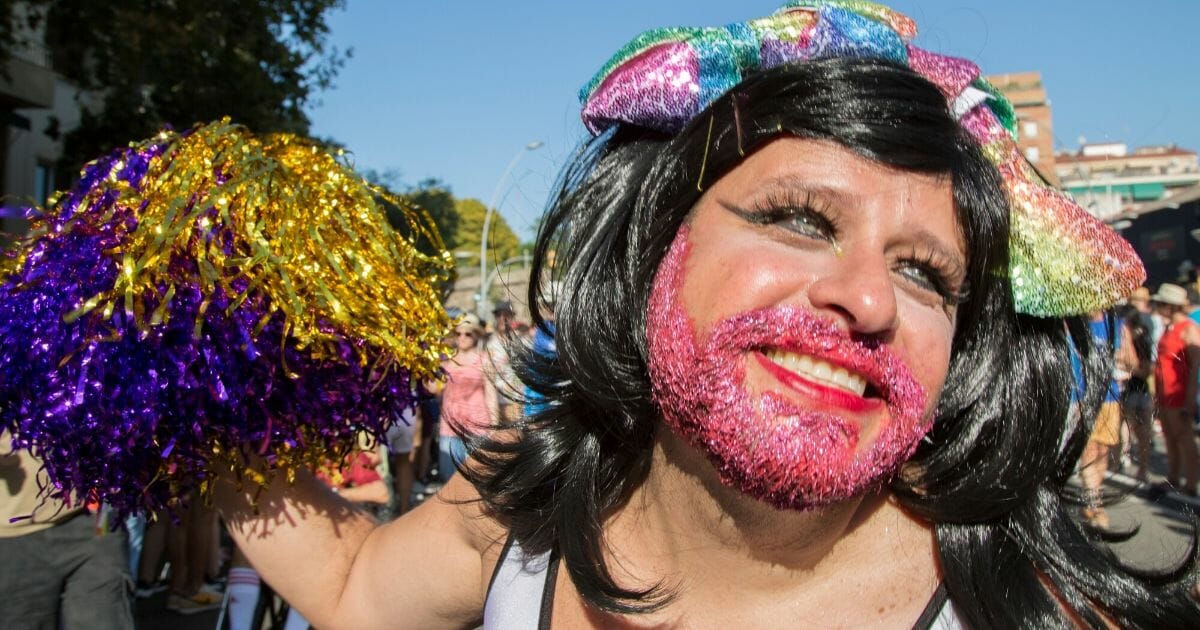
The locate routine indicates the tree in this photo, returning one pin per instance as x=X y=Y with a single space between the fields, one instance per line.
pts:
x=19 y=22
x=164 y=62
x=434 y=196
x=502 y=241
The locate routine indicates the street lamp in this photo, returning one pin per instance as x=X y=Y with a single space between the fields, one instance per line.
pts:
x=487 y=283
x=481 y=307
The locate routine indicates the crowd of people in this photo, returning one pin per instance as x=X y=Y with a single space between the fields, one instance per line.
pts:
x=1155 y=349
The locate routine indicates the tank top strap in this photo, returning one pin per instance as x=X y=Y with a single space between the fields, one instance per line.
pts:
x=939 y=613
x=521 y=592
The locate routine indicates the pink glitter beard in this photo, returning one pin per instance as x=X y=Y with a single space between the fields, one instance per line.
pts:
x=769 y=447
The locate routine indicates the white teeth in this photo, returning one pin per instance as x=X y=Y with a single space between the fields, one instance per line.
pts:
x=819 y=371
x=823 y=372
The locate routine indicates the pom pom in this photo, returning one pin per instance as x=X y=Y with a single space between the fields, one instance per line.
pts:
x=204 y=295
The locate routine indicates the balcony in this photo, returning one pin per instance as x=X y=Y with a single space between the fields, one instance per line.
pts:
x=29 y=81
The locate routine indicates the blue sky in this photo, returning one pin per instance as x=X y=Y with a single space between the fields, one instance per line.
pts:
x=454 y=90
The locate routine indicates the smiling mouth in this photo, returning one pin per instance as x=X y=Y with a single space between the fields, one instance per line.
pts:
x=819 y=371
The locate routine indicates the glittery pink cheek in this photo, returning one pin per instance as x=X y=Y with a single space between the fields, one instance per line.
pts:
x=768 y=446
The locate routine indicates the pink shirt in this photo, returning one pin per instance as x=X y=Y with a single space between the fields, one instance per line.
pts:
x=464 y=399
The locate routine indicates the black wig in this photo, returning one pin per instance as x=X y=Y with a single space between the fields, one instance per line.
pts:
x=990 y=474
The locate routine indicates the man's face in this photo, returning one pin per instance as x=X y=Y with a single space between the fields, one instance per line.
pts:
x=503 y=322
x=798 y=333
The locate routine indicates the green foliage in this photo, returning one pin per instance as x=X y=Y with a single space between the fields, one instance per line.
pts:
x=458 y=221
x=502 y=241
x=434 y=196
x=164 y=62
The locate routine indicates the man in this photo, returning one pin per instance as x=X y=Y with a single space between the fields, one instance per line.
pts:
x=1150 y=318
x=1106 y=432
x=500 y=371
x=60 y=569
x=1175 y=387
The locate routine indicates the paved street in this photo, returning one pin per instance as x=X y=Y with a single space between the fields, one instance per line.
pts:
x=1165 y=525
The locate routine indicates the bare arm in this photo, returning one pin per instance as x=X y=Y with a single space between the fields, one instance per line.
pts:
x=492 y=399
x=1192 y=350
x=1127 y=358
x=341 y=570
x=373 y=492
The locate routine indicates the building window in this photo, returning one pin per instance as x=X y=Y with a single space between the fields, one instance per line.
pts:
x=1029 y=128
x=43 y=182
x=1032 y=154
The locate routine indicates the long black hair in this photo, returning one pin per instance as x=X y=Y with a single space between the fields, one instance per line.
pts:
x=989 y=475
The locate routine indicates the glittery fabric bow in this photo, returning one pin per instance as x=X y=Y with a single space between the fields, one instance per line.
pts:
x=1062 y=261
x=204 y=294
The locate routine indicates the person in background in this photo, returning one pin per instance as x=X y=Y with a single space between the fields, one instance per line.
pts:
x=191 y=543
x=1137 y=406
x=60 y=567
x=151 y=560
x=499 y=364
x=1151 y=321
x=362 y=478
x=543 y=347
x=403 y=442
x=1175 y=373
x=1112 y=337
x=524 y=333
x=469 y=402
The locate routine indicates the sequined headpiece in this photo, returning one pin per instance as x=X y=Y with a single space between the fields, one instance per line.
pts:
x=1062 y=260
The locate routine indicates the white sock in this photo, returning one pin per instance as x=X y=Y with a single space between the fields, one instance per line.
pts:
x=243 y=587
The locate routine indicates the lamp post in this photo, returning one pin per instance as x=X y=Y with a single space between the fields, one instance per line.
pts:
x=481 y=306
x=487 y=283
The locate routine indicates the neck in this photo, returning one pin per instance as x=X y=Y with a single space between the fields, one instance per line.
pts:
x=688 y=522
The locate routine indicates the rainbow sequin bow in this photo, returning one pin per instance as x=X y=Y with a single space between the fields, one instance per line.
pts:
x=199 y=297
x=1062 y=260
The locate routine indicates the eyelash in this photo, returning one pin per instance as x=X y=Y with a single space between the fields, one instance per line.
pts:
x=822 y=223
x=937 y=268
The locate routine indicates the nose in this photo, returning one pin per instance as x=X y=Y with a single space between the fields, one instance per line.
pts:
x=857 y=289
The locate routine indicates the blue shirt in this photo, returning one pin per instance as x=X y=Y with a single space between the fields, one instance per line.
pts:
x=544 y=345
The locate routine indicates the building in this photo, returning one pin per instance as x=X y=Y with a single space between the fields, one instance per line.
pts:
x=1166 y=235
x=1035 y=133
x=36 y=105
x=1113 y=182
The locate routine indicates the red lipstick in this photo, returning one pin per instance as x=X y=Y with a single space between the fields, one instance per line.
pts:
x=830 y=396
